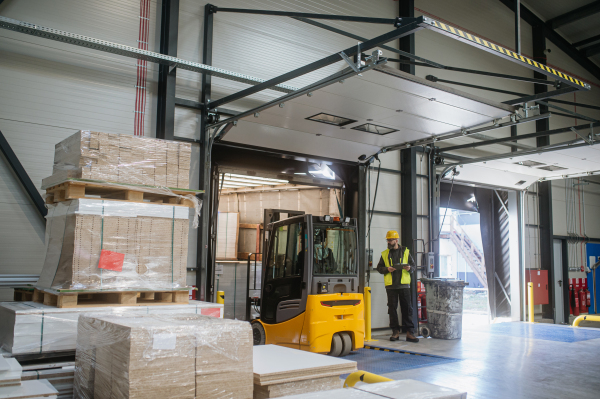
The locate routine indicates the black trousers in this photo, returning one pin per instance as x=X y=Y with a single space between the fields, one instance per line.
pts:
x=402 y=295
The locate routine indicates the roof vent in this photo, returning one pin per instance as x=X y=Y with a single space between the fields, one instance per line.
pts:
x=529 y=163
x=552 y=168
x=375 y=129
x=331 y=119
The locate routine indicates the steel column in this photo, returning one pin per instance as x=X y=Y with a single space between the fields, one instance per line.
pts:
x=165 y=113
x=408 y=223
x=15 y=164
x=406 y=9
x=363 y=260
x=544 y=188
x=204 y=272
x=518 y=26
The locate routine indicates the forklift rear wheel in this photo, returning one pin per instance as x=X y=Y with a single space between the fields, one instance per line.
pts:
x=346 y=344
x=258 y=333
x=425 y=332
x=336 y=345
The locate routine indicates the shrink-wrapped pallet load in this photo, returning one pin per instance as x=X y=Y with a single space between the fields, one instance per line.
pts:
x=121 y=158
x=115 y=245
x=159 y=356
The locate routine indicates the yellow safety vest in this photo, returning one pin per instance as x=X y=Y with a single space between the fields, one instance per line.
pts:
x=387 y=278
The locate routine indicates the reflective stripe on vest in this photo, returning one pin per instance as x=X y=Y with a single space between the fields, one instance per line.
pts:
x=387 y=278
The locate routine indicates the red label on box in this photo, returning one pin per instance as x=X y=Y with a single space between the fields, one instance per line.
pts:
x=214 y=312
x=110 y=260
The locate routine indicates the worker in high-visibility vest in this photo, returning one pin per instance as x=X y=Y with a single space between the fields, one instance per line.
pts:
x=396 y=266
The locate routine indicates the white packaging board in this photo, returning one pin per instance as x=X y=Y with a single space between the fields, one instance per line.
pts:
x=29 y=389
x=30 y=327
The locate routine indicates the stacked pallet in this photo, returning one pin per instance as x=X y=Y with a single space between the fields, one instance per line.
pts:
x=30 y=327
x=281 y=371
x=60 y=375
x=135 y=236
x=121 y=158
x=151 y=356
x=11 y=386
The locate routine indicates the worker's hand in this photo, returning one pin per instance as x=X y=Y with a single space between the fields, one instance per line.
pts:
x=391 y=269
x=406 y=267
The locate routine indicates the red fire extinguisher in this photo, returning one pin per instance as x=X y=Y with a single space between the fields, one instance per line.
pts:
x=570 y=296
x=582 y=298
x=424 y=308
x=588 y=297
x=575 y=300
x=419 y=306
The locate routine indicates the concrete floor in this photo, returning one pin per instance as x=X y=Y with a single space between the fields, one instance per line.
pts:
x=502 y=366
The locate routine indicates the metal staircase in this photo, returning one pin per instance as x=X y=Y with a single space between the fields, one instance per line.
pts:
x=468 y=250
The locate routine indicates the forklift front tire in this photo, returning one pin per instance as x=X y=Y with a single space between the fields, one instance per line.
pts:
x=336 y=345
x=258 y=333
x=346 y=344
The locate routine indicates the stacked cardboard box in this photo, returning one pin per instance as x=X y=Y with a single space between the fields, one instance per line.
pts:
x=12 y=387
x=31 y=327
x=122 y=159
x=148 y=356
x=152 y=237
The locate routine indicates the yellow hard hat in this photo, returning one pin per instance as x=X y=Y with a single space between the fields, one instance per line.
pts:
x=391 y=235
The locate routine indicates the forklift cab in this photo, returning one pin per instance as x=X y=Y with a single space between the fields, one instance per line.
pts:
x=310 y=297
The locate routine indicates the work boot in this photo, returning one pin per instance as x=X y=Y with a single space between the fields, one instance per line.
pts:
x=411 y=338
x=395 y=336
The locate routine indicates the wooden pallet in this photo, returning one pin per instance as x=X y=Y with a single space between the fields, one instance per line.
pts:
x=22 y=294
x=109 y=298
x=74 y=189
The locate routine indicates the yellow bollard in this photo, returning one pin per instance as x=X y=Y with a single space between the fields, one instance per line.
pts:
x=363 y=376
x=581 y=318
x=367 y=296
x=367 y=313
x=221 y=297
x=530 y=301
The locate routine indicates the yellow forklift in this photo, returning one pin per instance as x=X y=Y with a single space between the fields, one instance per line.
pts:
x=310 y=296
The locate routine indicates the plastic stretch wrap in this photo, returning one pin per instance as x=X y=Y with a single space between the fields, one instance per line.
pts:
x=163 y=356
x=121 y=158
x=297 y=387
x=30 y=327
x=98 y=244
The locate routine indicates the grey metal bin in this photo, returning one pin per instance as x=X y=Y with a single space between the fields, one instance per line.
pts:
x=444 y=307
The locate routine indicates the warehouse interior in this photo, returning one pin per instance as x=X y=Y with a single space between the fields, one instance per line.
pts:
x=200 y=198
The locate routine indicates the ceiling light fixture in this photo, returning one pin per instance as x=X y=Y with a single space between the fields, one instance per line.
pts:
x=330 y=119
x=375 y=129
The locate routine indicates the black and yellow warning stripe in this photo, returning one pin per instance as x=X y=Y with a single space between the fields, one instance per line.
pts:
x=493 y=48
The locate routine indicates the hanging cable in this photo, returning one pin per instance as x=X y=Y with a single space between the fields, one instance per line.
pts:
x=447 y=205
x=374 y=196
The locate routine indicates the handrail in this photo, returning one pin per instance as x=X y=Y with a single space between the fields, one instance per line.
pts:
x=363 y=376
x=581 y=318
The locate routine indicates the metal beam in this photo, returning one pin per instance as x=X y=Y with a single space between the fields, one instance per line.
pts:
x=386 y=21
x=165 y=105
x=411 y=26
x=203 y=273
x=501 y=140
x=465 y=133
x=132 y=52
x=517 y=10
x=541 y=96
x=482 y=44
x=591 y=50
x=557 y=39
x=575 y=15
x=406 y=8
x=587 y=41
x=362 y=39
x=19 y=170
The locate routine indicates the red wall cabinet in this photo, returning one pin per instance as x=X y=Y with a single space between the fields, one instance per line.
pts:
x=539 y=278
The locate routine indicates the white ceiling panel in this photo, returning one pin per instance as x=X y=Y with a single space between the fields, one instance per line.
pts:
x=427 y=109
x=572 y=161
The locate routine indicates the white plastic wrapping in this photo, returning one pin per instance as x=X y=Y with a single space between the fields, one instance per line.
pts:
x=163 y=356
x=81 y=235
x=121 y=158
x=30 y=327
